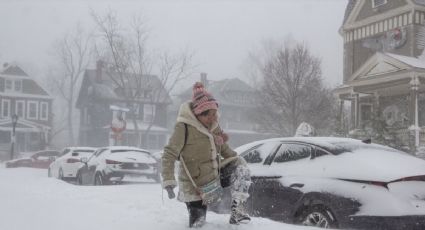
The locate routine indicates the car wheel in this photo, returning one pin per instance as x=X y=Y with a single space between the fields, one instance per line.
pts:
x=318 y=216
x=60 y=174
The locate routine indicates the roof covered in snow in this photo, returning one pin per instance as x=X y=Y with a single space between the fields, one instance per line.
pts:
x=30 y=88
x=14 y=70
x=412 y=61
x=106 y=87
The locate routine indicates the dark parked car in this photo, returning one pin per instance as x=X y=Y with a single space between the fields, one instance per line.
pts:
x=41 y=159
x=116 y=164
x=334 y=183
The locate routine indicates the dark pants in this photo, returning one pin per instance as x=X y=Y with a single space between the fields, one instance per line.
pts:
x=197 y=213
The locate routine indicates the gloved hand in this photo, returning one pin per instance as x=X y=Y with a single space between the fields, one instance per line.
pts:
x=170 y=191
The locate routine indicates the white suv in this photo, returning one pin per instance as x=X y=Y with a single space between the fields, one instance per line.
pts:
x=119 y=163
x=66 y=166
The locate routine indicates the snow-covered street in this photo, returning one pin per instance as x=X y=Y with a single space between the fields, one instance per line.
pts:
x=29 y=200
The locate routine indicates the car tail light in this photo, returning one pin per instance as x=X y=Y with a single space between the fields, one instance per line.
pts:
x=112 y=162
x=72 y=160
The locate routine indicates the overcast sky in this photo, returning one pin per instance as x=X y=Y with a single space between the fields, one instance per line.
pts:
x=220 y=32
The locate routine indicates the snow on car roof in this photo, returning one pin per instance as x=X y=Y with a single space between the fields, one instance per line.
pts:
x=331 y=143
x=125 y=148
x=360 y=161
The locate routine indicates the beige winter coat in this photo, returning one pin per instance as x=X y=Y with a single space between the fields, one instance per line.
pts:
x=199 y=155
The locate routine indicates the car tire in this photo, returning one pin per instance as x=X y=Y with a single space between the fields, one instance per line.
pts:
x=317 y=216
x=60 y=174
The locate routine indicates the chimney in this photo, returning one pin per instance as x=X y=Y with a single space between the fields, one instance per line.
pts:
x=99 y=67
x=204 y=79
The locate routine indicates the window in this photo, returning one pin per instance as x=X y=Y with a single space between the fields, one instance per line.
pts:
x=292 y=152
x=320 y=152
x=148 y=112
x=18 y=85
x=13 y=85
x=376 y=3
x=20 y=108
x=5 y=108
x=261 y=153
x=44 y=111
x=32 y=110
x=147 y=94
x=8 y=85
x=253 y=156
x=136 y=108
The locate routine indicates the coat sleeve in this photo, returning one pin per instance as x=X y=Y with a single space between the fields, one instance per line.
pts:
x=226 y=151
x=171 y=153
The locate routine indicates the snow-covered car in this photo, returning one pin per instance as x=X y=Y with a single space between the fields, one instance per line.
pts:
x=334 y=183
x=40 y=159
x=117 y=164
x=66 y=166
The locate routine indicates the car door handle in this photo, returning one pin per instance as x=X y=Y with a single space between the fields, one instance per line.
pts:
x=296 y=185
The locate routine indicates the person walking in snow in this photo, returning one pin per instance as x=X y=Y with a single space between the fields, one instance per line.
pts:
x=200 y=145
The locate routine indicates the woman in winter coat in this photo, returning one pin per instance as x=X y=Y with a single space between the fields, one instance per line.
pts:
x=200 y=143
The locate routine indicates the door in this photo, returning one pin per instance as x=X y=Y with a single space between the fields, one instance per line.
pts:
x=273 y=197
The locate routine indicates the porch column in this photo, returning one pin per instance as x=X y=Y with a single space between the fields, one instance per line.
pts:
x=340 y=128
x=414 y=116
x=341 y=112
x=356 y=110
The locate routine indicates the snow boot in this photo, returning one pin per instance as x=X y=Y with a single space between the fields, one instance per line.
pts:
x=238 y=214
x=197 y=214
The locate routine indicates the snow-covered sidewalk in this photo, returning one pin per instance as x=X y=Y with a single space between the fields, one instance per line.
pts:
x=29 y=200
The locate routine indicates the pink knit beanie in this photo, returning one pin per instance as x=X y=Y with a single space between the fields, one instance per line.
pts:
x=202 y=100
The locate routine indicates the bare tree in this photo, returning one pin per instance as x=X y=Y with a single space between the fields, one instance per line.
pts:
x=125 y=49
x=72 y=54
x=292 y=89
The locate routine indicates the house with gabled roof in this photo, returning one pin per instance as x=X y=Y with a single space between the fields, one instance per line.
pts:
x=384 y=66
x=146 y=116
x=237 y=102
x=20 y=94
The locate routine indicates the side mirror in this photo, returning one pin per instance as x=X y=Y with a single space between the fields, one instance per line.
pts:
x=84 y=160
x=52 y=158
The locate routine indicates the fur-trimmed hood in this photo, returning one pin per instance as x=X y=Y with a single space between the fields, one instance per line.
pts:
x=186 y=116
